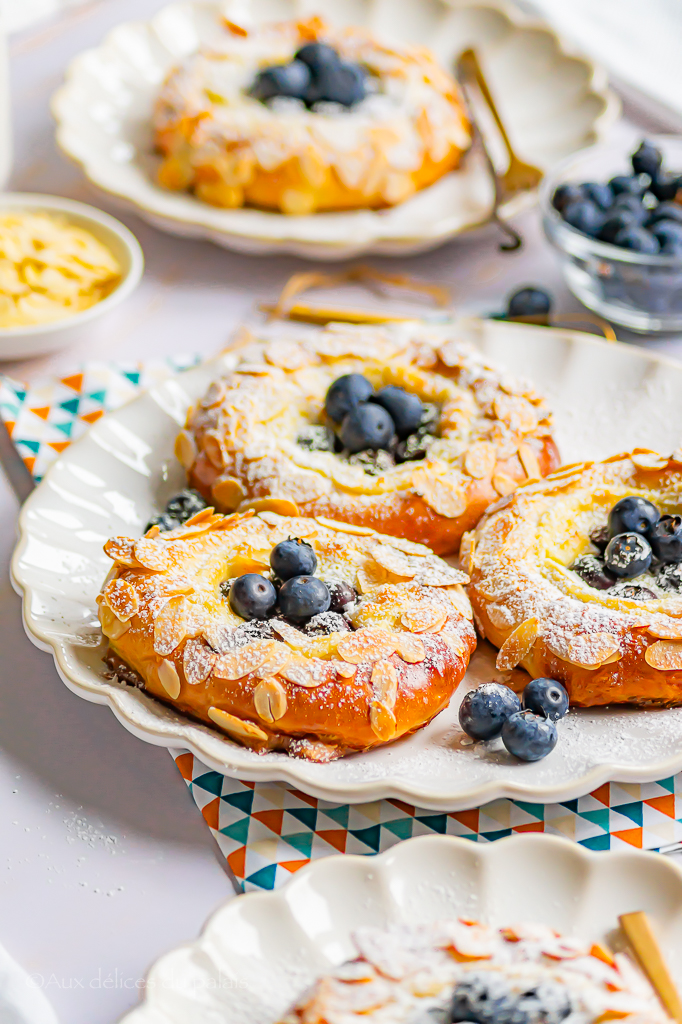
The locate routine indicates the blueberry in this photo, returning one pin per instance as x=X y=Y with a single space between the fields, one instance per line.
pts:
x=345 y=393
x=666 y=211
x=633 y=205
x=565 y=194
x=667 y=231
x=627 y=184
x=615 y=223
x=344 y=83
x=598 y=193
x=591 y=569
x=665 y=186
x=585 y=217
x=341 y=595
x=366 y=426
x=252 y=596
x=484 y=711
x=546 y=697
x=529 y=302
x=528 y=736
x=405 y=409
x=672 y=248
x=302 y=597
x=164 y=522
x=647 y=159
x=665 y=538
x=628 y=555
x=184 y=505
x=318 y=56
x=282 y=80
x=632 y=515
x=487 y=997
x=600 y=537
x=632 y=592
x=293 y=557
x=637 y=239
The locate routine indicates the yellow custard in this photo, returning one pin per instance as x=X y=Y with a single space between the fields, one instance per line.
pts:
x=50 y=269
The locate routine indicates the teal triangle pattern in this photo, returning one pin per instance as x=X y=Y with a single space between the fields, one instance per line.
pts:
x=301 y=841
x=369 y=836
x=98 y=396
x=633 y=811
x=338 y=814
x=264 y=878
x=71 y=405
x=242 y=801
x=212 y=782
x=600 y=817
x=65 y=428
x=306 y=815
x=238 y=830
x=597 y=842
x=134 y=378
x=668 y=784
x=402 y=827
x=437 y=822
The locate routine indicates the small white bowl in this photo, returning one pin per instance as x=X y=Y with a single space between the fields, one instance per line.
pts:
x=35 y=340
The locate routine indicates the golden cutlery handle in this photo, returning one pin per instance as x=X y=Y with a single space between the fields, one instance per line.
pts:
x=644 y=943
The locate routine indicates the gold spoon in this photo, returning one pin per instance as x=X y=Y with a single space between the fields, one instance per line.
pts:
x=642 y=939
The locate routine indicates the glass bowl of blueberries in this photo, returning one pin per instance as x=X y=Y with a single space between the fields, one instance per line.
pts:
x=615 y=217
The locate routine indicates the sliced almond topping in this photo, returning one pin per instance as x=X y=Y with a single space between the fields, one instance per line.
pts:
x=455 y=643
x=152 y=554
x=529 y=461
x=213 y=448
x=460 y=601
x=440 y=574
x=332 y=524
x=122 y=598
x=424 y=618
x=112 y=627
x=185 y=449
x=170 y=680
x=518 y=645
x=382 y=721
x=410 y=648
x=227 y=492
x=200 y=517
x=294 y=637
x=227 y=522
x=590 y=650
x=504 y=484
x=370 y=644
x=385 y=683
x=665 y=655
x=309 y=672
x=237 y=727
x=370 y=576
x=280 y=506
x=443 y=496
x=649 y=460
x=480 y=460
x=467 y=551
x=276 y=661
x=270 y=700
x=236 y=664
x=669 y=630
x=197 y=661
x=345 y=670
x=410 y=547
x=152 y=532
x=122 y=550
x=170 y=625
x=395 y=561
x=214 y=395
x=286 y=355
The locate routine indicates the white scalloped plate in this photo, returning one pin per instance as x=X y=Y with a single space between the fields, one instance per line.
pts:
x=260 y=951
x=553 y=101
x=606 y=398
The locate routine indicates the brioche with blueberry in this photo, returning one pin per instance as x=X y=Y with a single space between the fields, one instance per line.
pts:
x=299 y=117
x=286 y=633
x=578 y=578
x=401 y=428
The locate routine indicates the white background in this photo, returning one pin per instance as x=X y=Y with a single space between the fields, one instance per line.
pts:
x=105 y=862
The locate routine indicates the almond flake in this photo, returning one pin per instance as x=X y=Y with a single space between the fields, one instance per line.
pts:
x=459 y=600
x=385 y=683
x=345 y=670
x=169 y=679
x=370 y=576
x=665 y=655
x=369 y=644
x=122 y=598
x=480 y=459
x=332 y=524
x=504 y=484
x=237 y=727
x=590 y=650
x=424 y=618
x=122 y=550
x=649 y=460
x=440 y=574
x=410 y=547
x=270 y=700
x=395 y=561
x=197 y=661
x=455 y=643
x=213 y=448
x=517 y=646
x=444 y=497
x=227 y=492
x=228 y=522
x=112 y=627
x=280 y=506
x=382 y=721
x=669 y=630
x=410 y=648
x=309 y=672
x=467 y=550
x=238 y=663
x=185 y=449
x=201 y=517
x=286 y=355
x=276 y=661
x=530 y=462
x=170 y=625
x=214 y=395
x=294 y=637
x=152 y=532
x=152 y=554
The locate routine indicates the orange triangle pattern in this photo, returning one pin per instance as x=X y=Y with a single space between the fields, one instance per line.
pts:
x=92 y=417
x=75 y=382
x=237 y=862
x=532 y=826
x=467 y=818
x=43 y=412
x=603 y=794
x=336 y=837
x=294 y=865
x=664 y=804
x=271 y=820
x=185 y=763
x=30 y=462
x=312 y=800
x=59 y=446
x=633 y=836
x=9 y=426
x=211 y=813
x=402 y=806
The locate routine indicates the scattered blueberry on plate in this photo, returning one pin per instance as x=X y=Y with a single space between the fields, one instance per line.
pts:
x=484 y=711
x=529 y=302
x=178 y=510
x=528 y=736
x=546 y=697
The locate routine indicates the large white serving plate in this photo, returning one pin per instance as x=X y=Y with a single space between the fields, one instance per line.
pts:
x=259 y=952
x=606 y=397
x=553 y=101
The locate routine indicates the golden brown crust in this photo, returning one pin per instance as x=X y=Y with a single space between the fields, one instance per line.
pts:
x=605 y=649
x=233 y=151
x=316 y=696
x=239 y=445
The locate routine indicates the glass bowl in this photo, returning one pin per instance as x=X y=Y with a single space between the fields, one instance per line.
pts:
x=643 y=293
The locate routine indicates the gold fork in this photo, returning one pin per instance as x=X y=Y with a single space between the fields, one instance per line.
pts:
x=519 y=176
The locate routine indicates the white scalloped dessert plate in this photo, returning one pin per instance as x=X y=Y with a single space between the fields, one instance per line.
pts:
x=606 y=398
x=259 y=952
x=554 y=102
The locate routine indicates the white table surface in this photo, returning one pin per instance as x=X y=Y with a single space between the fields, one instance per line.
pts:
x=105 y=860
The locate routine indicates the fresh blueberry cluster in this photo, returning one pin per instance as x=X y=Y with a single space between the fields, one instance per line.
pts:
x=292 y=592
x=178 y=510
x=486 y=997
x=373 y=429
x=317 y=74
x=527 y=727
x=530 y=303
x=639 y=211
x=637 y=539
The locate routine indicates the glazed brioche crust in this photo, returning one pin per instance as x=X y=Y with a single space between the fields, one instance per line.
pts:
x=240 y=442
x=171 y=630
x=605 y=649
x=233 y=151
